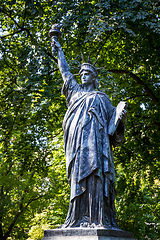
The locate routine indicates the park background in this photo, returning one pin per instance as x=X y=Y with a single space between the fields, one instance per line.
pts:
x=124 y=35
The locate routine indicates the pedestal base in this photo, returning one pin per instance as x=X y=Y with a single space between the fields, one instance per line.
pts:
x=87 y=234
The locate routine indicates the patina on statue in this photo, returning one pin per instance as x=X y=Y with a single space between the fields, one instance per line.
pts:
x=91 y=126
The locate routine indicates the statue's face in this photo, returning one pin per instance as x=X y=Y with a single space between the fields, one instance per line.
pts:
x=87 y=78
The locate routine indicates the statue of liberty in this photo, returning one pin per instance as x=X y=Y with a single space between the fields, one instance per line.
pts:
x=91 y=127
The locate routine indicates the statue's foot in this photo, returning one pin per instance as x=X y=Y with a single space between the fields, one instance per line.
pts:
x=93 y=225
x=85 y=225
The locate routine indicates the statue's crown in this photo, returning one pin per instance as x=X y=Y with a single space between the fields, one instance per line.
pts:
x=88 y=67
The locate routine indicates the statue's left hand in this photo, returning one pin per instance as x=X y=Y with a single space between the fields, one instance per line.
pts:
x=123 y=117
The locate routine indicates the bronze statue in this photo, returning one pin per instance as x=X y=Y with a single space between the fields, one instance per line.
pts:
x=91 y=126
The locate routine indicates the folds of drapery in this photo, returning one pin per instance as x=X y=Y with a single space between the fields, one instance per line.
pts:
x=86 y=139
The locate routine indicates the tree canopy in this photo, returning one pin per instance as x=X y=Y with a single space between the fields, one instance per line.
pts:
x=124 y=35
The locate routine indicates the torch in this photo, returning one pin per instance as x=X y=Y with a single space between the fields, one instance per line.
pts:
x=55 y=33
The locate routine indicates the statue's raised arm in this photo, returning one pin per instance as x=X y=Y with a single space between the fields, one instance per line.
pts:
x=62 y=63
x=55 y=33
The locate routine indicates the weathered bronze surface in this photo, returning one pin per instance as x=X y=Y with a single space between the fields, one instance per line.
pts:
x=91 y=127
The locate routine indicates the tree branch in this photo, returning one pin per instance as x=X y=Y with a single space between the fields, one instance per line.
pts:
x=50 y=55
x=13 y=69
x=22 y=28
x=7 y=96
x=11 y=34
x=1 y=231
x=22 y=209
x=139 y=81
x=136 y=96
x=157 y=124
x=9 y=15
x=12 y=122
x=104 y=42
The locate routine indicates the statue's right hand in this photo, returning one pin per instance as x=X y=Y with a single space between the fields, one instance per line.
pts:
x=56 y=44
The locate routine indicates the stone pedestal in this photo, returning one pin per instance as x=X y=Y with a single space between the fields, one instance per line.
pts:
x=87 y=234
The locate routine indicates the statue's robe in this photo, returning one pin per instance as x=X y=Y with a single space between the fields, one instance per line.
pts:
x=89 y=133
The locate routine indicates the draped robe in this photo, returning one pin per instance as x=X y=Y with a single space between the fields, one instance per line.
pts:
x=89 y=133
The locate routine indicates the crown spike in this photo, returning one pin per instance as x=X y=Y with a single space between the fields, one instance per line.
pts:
x=99 y=68
x=82 y=57
x=76 y=67
x=89 y=58
x=96 y=61
x=78 y=62
x=76 y=74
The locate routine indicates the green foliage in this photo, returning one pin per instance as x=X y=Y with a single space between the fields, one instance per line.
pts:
x=125 y=36
x=55 y=210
